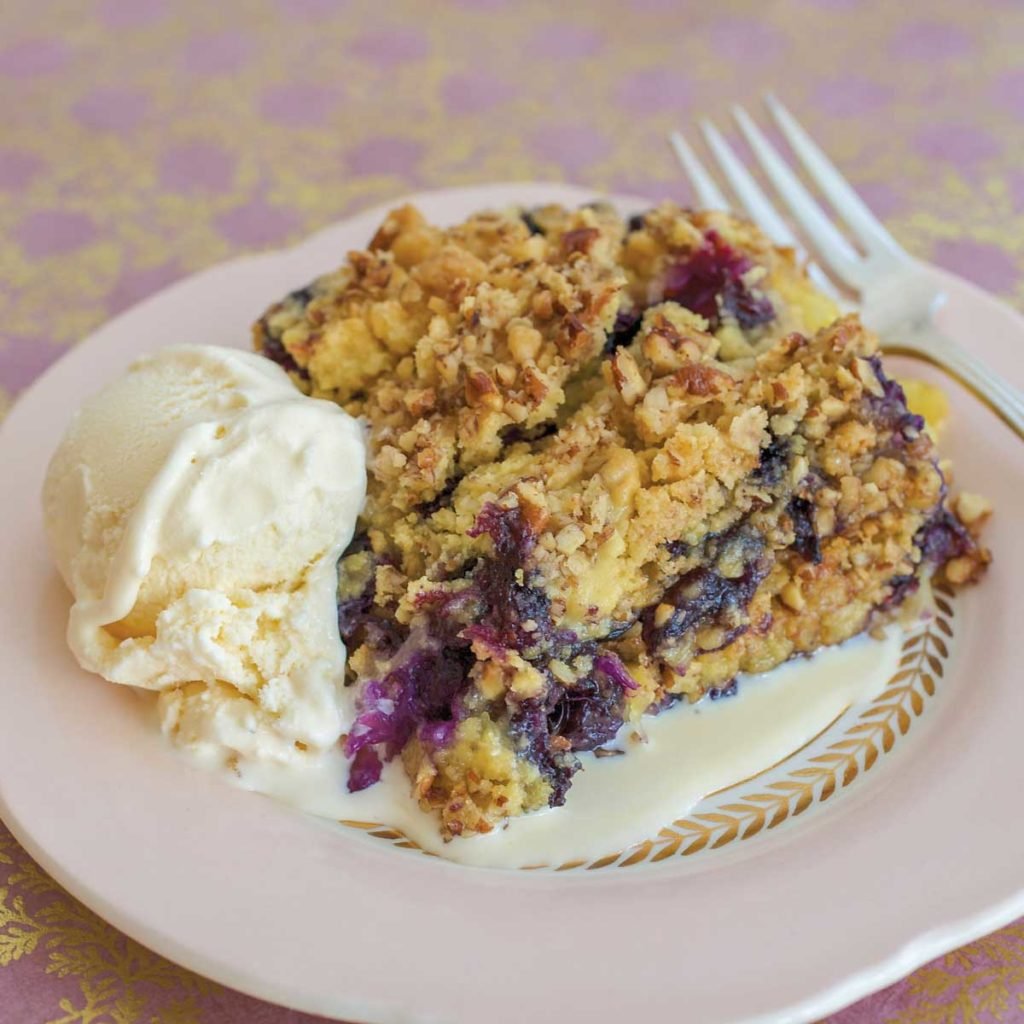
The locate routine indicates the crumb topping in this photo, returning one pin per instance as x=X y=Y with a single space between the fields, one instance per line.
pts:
x=613 y=464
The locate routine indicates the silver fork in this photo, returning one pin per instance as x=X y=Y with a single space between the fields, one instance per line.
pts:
x=897 y=293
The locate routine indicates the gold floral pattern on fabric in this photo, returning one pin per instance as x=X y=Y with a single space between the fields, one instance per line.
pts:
x=143 y=140
x=110 y=977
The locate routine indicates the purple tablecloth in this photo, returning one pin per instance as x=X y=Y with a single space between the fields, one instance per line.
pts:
x=143 y=139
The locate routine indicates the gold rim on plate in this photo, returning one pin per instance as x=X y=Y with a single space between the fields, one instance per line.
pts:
x=738 y=813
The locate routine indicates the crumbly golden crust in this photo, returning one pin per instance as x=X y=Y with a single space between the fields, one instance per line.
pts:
x=446 y=340
x=612 y=465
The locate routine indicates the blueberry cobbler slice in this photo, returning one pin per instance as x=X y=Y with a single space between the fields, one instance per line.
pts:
x=613 y=465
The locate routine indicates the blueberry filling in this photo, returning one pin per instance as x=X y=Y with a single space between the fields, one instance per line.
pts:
x=636 y=222
x=528 y=219
x=902 y=587
x=419 y=694
x=443 y=499
x=710 y=282
x=611 y=666
x=679 y=548
x=889 y=410
x=271 y=345
x=666 y=701
x=806 y=542
x=943 y=537
x=729 y=690
x=771 y=470
x=703 y=597
x=360 y=621
x=302 y=296
x=549 y=731
x=588 y=714
x=354 y=613
x=518 y=615
x=514 y=434
x=364 y=769
x=530 y=731
x=427 y=674
x=274 y=350
x=625 y=329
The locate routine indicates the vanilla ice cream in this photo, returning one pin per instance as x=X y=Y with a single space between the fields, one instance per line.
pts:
x=197 y=508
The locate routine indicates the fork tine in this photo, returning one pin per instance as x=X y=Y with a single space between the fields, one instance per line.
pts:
x=862 y=222
x=708 y=193
x=757 y=204
x=846 y=264
x=761 y=209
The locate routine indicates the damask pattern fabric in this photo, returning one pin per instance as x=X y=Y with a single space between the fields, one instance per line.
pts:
x=142 y=140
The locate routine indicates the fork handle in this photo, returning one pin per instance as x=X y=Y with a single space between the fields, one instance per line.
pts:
x=927 y=342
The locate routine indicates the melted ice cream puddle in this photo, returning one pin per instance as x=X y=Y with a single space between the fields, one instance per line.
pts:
x=690 y=752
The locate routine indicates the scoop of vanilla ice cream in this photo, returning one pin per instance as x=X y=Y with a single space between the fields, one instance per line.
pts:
x=197 y=508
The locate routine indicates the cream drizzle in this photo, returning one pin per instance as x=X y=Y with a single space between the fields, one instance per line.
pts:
x=671 y=763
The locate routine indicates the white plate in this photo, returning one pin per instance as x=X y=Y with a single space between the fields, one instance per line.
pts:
x=924 y=856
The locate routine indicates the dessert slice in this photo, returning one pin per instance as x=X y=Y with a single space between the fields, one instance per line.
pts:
x=718 y=475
